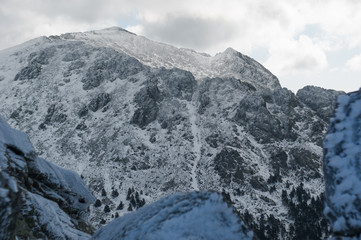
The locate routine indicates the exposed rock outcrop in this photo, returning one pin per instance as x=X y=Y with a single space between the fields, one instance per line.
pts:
x=322 y=101
x=38 y=200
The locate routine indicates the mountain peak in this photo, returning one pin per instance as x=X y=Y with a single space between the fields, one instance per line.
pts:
x=230 y=50
x=112 y=30
x=230 y=63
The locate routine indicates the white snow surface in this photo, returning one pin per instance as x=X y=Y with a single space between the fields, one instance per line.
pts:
x=181 y=216
x=343 y=166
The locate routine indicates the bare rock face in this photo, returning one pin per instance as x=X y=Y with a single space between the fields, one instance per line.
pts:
x=99 y=101
x=342 y=158
x=322 y=101
x=181 y=216
x=109 y=66
x=37 y=198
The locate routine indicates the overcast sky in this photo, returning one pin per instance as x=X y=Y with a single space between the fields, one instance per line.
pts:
x=303 y=42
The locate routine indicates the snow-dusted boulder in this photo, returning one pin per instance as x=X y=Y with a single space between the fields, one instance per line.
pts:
x=342 y=166
x=38 y=200
x=181 y=216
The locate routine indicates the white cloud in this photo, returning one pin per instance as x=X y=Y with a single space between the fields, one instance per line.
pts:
x=296 y=56
x=188 y=31
x=354 y=63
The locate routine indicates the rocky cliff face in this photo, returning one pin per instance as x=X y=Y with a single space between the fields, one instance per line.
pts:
x=38 y=200
x=322 y=101
x=138 y=118
x=342 y=167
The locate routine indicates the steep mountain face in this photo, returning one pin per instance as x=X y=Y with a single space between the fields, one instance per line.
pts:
x=342 y=167
x=38 y=200
x=181 y=216
x=111 y=106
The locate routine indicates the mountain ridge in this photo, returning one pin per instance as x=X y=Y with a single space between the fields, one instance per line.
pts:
x=156 y=54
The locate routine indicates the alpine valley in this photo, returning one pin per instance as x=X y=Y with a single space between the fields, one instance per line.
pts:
x=141 y=120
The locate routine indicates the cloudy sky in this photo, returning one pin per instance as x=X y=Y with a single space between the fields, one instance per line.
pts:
x=308 y=42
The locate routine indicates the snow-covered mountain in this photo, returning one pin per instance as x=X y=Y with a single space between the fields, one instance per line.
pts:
x=180 y=216
x=342 y=167
x=141 y=120
x=38 y=200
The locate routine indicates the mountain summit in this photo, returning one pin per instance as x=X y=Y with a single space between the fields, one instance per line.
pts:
x=140 y=120
x=230 y=63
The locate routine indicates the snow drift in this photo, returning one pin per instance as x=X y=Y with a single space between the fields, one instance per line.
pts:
x=181 y=216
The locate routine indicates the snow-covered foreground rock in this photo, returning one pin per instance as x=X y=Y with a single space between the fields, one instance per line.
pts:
x=343 y=167
x=181 y=216
x=38 y=200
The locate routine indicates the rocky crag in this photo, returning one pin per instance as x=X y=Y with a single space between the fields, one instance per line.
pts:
x=39 y=200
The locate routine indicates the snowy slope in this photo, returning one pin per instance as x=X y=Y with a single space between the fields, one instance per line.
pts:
x=102 y=104
x=37 y=198
x=181 y=216
x=342 y=167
